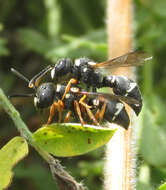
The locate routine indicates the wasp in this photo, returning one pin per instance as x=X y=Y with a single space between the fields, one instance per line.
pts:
x=108 y=107
x=100 y=106
x=87 y=71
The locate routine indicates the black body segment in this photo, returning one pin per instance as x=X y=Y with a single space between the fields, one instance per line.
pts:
x=126 y=87
x=62 y=67
x=116 y=113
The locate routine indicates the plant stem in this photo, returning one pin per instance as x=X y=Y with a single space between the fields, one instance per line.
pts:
x=15 y=116
x=63 y=179
x=119 y=153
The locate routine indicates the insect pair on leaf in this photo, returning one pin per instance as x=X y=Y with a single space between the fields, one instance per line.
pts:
x=72 y=98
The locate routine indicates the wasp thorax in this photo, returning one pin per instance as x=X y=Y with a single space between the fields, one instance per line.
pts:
x=44 y=95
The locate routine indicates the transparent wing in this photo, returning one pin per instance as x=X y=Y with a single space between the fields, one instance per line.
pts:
x=127 y=100
x=136 y=58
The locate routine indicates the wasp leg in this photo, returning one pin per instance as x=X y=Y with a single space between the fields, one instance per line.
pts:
x=81 y=101
x=97 y=114
x=34 y=82
x=91 y=116
x=72 y=81
x=52 y=111
x=67 y=117
x=77 y=108
x=87 y=107
x=59 y=106
x=102 y=111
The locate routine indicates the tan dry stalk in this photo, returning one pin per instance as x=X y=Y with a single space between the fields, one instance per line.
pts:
x=119 y=166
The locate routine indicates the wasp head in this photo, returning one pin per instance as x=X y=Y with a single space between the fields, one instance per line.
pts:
x=44 y=96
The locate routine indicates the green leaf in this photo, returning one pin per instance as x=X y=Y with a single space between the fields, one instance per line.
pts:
x=71 y=139
x=10 y=154
x=152 y=127
x=162 y=187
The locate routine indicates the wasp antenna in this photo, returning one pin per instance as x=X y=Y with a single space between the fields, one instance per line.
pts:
x=36 y=79
x=18 y=74
x=20 y=95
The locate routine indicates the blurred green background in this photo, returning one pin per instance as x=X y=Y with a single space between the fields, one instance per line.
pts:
x=36 y=33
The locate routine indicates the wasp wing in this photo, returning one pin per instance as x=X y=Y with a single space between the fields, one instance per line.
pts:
x=127 y=100
x=135 y=58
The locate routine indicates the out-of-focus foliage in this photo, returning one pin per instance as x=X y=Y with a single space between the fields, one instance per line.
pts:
x=36 y=33
x=150 y=30
x=3 y=42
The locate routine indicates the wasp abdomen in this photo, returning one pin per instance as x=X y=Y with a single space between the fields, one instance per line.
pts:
x=116 y=113
x=126 y=87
